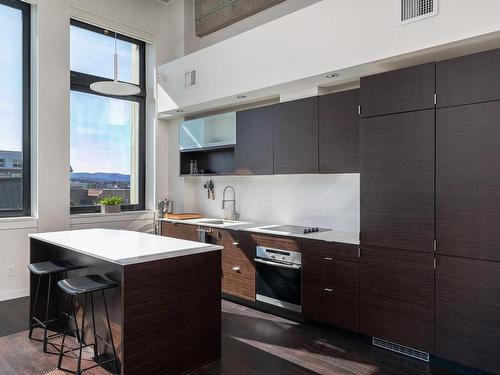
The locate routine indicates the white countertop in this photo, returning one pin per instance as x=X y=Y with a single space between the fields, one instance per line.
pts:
x=122 y=246
x=334 y=235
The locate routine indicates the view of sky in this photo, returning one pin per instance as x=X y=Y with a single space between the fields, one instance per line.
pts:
x=101 y=128
x=11 y=79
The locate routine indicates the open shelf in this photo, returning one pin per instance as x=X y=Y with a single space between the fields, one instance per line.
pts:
x=211 y=161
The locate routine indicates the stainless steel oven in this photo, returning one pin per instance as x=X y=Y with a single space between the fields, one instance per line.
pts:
x=279 y=277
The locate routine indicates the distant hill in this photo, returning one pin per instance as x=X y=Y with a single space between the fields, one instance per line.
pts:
x=100 y=177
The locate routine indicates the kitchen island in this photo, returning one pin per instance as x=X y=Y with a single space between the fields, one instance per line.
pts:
x=165 y=316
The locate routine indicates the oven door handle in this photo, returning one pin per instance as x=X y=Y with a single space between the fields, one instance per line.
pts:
x=282 y=265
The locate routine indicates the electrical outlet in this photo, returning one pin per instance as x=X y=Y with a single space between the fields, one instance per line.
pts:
x=267 y=204
x=10 y=271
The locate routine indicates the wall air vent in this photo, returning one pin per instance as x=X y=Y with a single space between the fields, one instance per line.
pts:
x=190 y=78
x=415 y=10
x=401 y=349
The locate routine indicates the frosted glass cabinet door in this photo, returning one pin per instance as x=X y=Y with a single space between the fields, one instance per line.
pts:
x=212 y=131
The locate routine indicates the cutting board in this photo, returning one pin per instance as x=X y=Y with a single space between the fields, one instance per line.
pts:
x=183 y=216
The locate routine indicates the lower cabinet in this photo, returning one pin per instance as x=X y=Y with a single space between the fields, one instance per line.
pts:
x=330 y=284
x=397 y=296
x=468 y=312
x=181 y=231
x=238 y=264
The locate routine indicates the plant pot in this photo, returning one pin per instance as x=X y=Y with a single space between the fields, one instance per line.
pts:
x=111 y=209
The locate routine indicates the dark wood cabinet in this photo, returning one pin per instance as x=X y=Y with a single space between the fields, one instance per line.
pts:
x=397 y=181
x=238 y=265
x=397 y=296
x=181 y=231
x=338 y=132
x=296 y=136
x=468 y=79
x=330 y=283
x=402 y=90
x=253 y=152
x=468 y=312
x=468 y=181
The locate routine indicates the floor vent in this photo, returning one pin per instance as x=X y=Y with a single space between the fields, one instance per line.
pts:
x=401 y=349
x=415 y=10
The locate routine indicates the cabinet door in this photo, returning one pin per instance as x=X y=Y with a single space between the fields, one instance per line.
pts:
x=181 y=231
x=468 y=312
x=402 y=90
x=238 y=265
x=468 y=79
x=296 y=136
x=397 y=181
x=253 y=153
x=338 y=132
x=397 y=296
x=468 y=181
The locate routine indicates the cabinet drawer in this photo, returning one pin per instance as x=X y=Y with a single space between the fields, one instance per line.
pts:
x=181 y=231
x=238 y=265
x=331 y=307
x=281 y=243
x=334 y=250
x=338 y=275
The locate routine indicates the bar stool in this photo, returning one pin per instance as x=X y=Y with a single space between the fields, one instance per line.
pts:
x=87 y=285
x=46 y=269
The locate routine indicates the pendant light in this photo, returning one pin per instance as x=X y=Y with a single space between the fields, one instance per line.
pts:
x=115 y=87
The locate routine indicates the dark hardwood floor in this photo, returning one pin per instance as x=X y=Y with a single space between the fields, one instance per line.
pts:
x=253 y=343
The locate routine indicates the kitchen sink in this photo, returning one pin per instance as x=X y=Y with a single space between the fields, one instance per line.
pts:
x=219 y=222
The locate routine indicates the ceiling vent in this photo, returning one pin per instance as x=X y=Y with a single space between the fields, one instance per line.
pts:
x=415 y=10
x=190 y=78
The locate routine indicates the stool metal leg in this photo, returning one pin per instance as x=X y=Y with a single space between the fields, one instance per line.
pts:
x=33 y=308
x=96 y=348
x=61 y=352
x=115 y=361
x=79 y=368
x=47 y=315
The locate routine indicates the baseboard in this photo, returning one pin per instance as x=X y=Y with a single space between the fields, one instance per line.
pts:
x=13 y=294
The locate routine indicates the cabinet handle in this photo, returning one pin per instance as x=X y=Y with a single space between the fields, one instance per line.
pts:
x=236 y=243
x=236 y=268
x=328 y=258
x=328 y=290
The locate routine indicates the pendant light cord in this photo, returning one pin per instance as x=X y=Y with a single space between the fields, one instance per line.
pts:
x=116 y=62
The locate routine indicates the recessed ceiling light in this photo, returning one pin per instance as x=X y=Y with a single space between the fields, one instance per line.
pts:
x=241 y=97
x=179 y=111
x=332 y=75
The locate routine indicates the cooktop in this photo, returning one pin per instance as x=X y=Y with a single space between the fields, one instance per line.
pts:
x=297 y=229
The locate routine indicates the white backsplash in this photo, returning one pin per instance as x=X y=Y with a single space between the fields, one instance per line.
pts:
x=330 y=201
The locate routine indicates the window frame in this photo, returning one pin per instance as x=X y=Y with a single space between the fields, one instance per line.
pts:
x=81 y=82
x=25 y=9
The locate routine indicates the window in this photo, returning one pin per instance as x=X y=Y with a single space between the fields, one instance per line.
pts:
x=14 y=108
x=107 y=132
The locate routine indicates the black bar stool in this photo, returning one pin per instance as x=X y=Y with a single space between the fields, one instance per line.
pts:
x=87 y=285
x=46 y=269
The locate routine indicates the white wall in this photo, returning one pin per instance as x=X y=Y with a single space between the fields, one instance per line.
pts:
x=50 y=125
x=330 y=35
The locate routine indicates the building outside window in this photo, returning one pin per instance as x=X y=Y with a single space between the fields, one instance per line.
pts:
x=107 y=133
x=14 y=108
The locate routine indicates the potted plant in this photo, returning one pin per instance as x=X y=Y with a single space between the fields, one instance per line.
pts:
x=111 y=205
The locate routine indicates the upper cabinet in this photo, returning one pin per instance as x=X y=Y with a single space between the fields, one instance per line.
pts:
x=212 y=131
x=253 y=152
x=397 y=180
x=403 y=90
x=296 y=136
x=468 y=79
x=338 y=132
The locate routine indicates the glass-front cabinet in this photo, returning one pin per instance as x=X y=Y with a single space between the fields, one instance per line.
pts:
x=212 y=131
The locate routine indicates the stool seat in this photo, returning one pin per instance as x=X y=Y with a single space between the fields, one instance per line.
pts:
x=45 y=268
x=86 y=284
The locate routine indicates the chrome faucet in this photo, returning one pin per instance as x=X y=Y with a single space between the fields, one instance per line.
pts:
x=232 y=214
